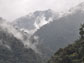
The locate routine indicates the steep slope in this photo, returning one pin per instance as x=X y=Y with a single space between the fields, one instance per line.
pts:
x=73 y=53
x=12 y=49
x=55 y=34
x=62 y=31
x=34 y=21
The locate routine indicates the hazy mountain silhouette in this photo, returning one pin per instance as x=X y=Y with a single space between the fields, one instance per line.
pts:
x=62 y=31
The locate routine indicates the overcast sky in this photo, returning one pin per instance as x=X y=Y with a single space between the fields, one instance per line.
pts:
x=12 y=9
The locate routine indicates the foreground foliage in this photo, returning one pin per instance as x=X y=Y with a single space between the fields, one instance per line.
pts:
x=73 y=53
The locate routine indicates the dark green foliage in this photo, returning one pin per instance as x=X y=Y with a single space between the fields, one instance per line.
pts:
x=82 y=31
x=73 y=53
x=12 y=50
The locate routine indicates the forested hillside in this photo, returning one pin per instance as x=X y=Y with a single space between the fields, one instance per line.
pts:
x=73 y=53
x=12 y=49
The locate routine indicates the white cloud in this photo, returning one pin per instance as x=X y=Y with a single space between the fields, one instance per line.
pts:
x=11 y=9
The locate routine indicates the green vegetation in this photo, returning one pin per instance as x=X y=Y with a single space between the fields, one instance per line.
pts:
x=12 y=50
x=73 y=53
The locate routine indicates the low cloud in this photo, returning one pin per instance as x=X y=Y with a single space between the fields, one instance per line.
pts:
x=24 y=37
x=12 y=9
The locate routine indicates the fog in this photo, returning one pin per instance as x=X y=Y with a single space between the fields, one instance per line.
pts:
x=12 y=9
x=22 y=36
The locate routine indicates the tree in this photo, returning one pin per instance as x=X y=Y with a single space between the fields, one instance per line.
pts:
x=81 y=32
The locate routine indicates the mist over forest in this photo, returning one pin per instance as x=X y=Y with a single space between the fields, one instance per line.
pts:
x=44 y=33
